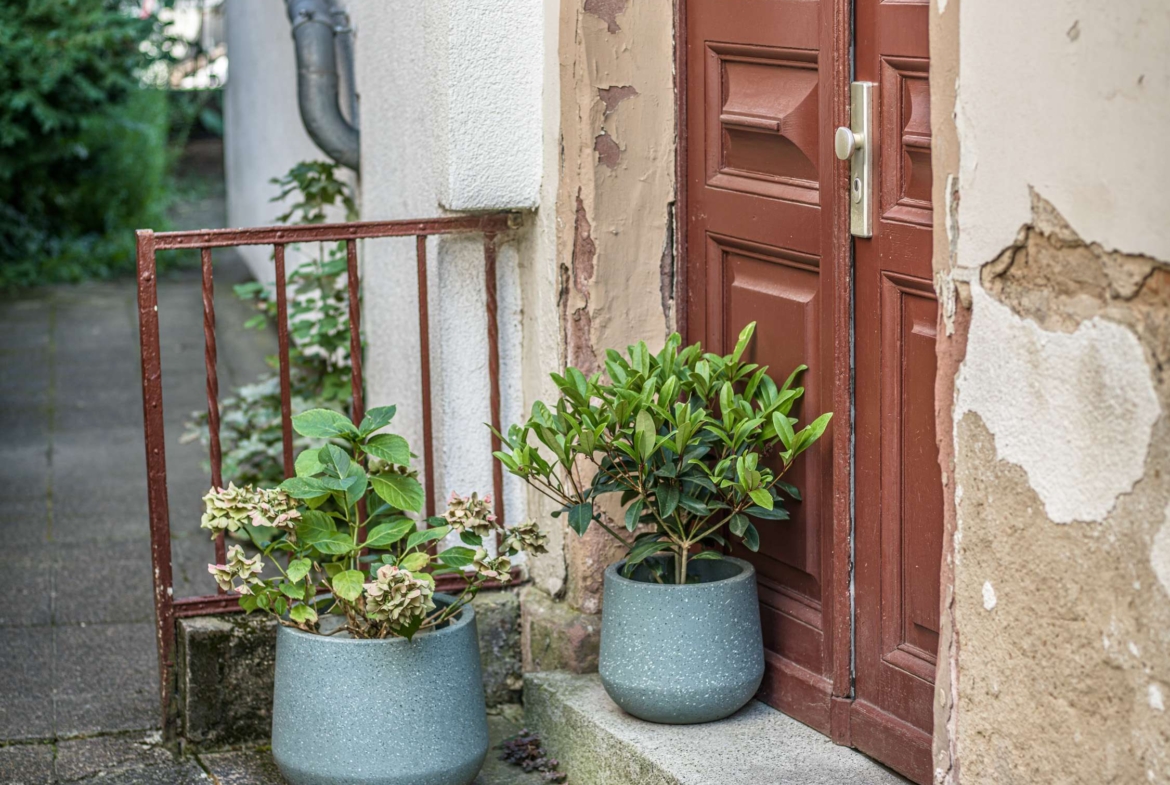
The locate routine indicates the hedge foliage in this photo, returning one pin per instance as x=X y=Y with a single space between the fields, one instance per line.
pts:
x=83 y=140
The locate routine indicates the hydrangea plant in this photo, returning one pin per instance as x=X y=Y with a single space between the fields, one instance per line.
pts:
x=693 y=442
x=338 y=537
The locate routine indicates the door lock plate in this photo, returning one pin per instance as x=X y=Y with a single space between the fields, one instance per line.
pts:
x=857 y=143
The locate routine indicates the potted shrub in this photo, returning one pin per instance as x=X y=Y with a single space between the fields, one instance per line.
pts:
x=377 y=676
x=696 y=446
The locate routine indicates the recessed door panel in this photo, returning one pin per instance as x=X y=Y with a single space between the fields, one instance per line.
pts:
x=764 y=192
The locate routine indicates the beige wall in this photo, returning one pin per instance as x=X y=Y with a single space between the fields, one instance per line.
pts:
x=613 y=210
x=1051 y=256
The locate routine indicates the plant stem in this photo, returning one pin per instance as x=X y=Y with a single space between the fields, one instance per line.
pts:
x=680 y=564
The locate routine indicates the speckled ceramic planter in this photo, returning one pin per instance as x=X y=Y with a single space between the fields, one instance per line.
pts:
x=682 y=654
x=380 y=712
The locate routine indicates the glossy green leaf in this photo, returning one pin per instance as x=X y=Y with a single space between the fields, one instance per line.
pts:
x=580 y=516
x=399 y=491
x=762 y=498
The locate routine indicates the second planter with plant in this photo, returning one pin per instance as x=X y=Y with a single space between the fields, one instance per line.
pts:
x=377 y=675
x=695 y=446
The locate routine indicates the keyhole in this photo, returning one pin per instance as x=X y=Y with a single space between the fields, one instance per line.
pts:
x=857 y=190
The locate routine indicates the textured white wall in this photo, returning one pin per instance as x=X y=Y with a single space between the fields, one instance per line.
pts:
x=404 y=106
x=1070 y=98
x=263 y=133
x=485 y=59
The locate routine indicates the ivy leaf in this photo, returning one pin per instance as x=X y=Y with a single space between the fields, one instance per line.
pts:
x=323 y=424
x=384 y=535
x=580 y=516
x=348 y=585
x=399 y=491
x=298 y=569
x=457 y=557
x=376 y=418
x=389 y=447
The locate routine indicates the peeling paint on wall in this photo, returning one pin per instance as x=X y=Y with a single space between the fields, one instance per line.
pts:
x=1034 y=389
x=1160 y=553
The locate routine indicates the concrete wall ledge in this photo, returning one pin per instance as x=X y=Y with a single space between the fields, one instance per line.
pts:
x=599 y=744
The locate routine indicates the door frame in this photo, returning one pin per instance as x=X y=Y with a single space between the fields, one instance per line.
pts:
x=840 y=540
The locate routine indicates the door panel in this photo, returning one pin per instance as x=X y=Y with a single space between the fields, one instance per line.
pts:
x=898 y=491
x=766 y=239
x=764 y=192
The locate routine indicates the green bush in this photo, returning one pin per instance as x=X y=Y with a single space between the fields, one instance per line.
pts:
x=83 y=141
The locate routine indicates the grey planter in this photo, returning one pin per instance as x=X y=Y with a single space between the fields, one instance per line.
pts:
x=380 y=712
x=682 y=654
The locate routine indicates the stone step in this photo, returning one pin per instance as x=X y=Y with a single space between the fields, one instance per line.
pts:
x=599 y=744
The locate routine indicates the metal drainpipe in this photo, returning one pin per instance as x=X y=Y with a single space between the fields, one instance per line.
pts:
x=315 y=23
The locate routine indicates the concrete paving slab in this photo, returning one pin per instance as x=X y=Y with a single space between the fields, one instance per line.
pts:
x=108 y=755
x=107 y=677
x=599 y=744
x=26 y=584
x=26 y=683
x=26 y=764
x=103 y=582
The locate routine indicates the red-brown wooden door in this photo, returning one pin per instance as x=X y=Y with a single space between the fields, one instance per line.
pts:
x=766 y=239
x=898 y=489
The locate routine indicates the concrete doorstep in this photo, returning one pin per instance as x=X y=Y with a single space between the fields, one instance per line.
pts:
x=599 y=744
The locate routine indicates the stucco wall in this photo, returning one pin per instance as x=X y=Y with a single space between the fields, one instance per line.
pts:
x=407 y=56
x=1051 y=260
x=263 y=134
x=615 y=247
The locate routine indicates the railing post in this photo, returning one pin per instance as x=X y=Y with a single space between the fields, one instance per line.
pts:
x=424 y=348
x=211 y=362
x=493 y=337
x=156 y=475
x=286 y=434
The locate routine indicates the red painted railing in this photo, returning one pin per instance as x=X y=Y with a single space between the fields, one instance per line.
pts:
x=167 y=607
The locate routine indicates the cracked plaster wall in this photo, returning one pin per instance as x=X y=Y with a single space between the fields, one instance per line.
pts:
x=1051 y=243
x=615 y=246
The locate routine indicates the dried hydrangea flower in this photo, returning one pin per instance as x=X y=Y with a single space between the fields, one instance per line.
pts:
x=471 y=514
x=397 y=596
x=226 y=509
x=274 y=508
x=499 y=568
x=526 y=537
x=238 y=568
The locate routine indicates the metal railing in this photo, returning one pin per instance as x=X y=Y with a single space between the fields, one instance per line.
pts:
x=168 y=608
